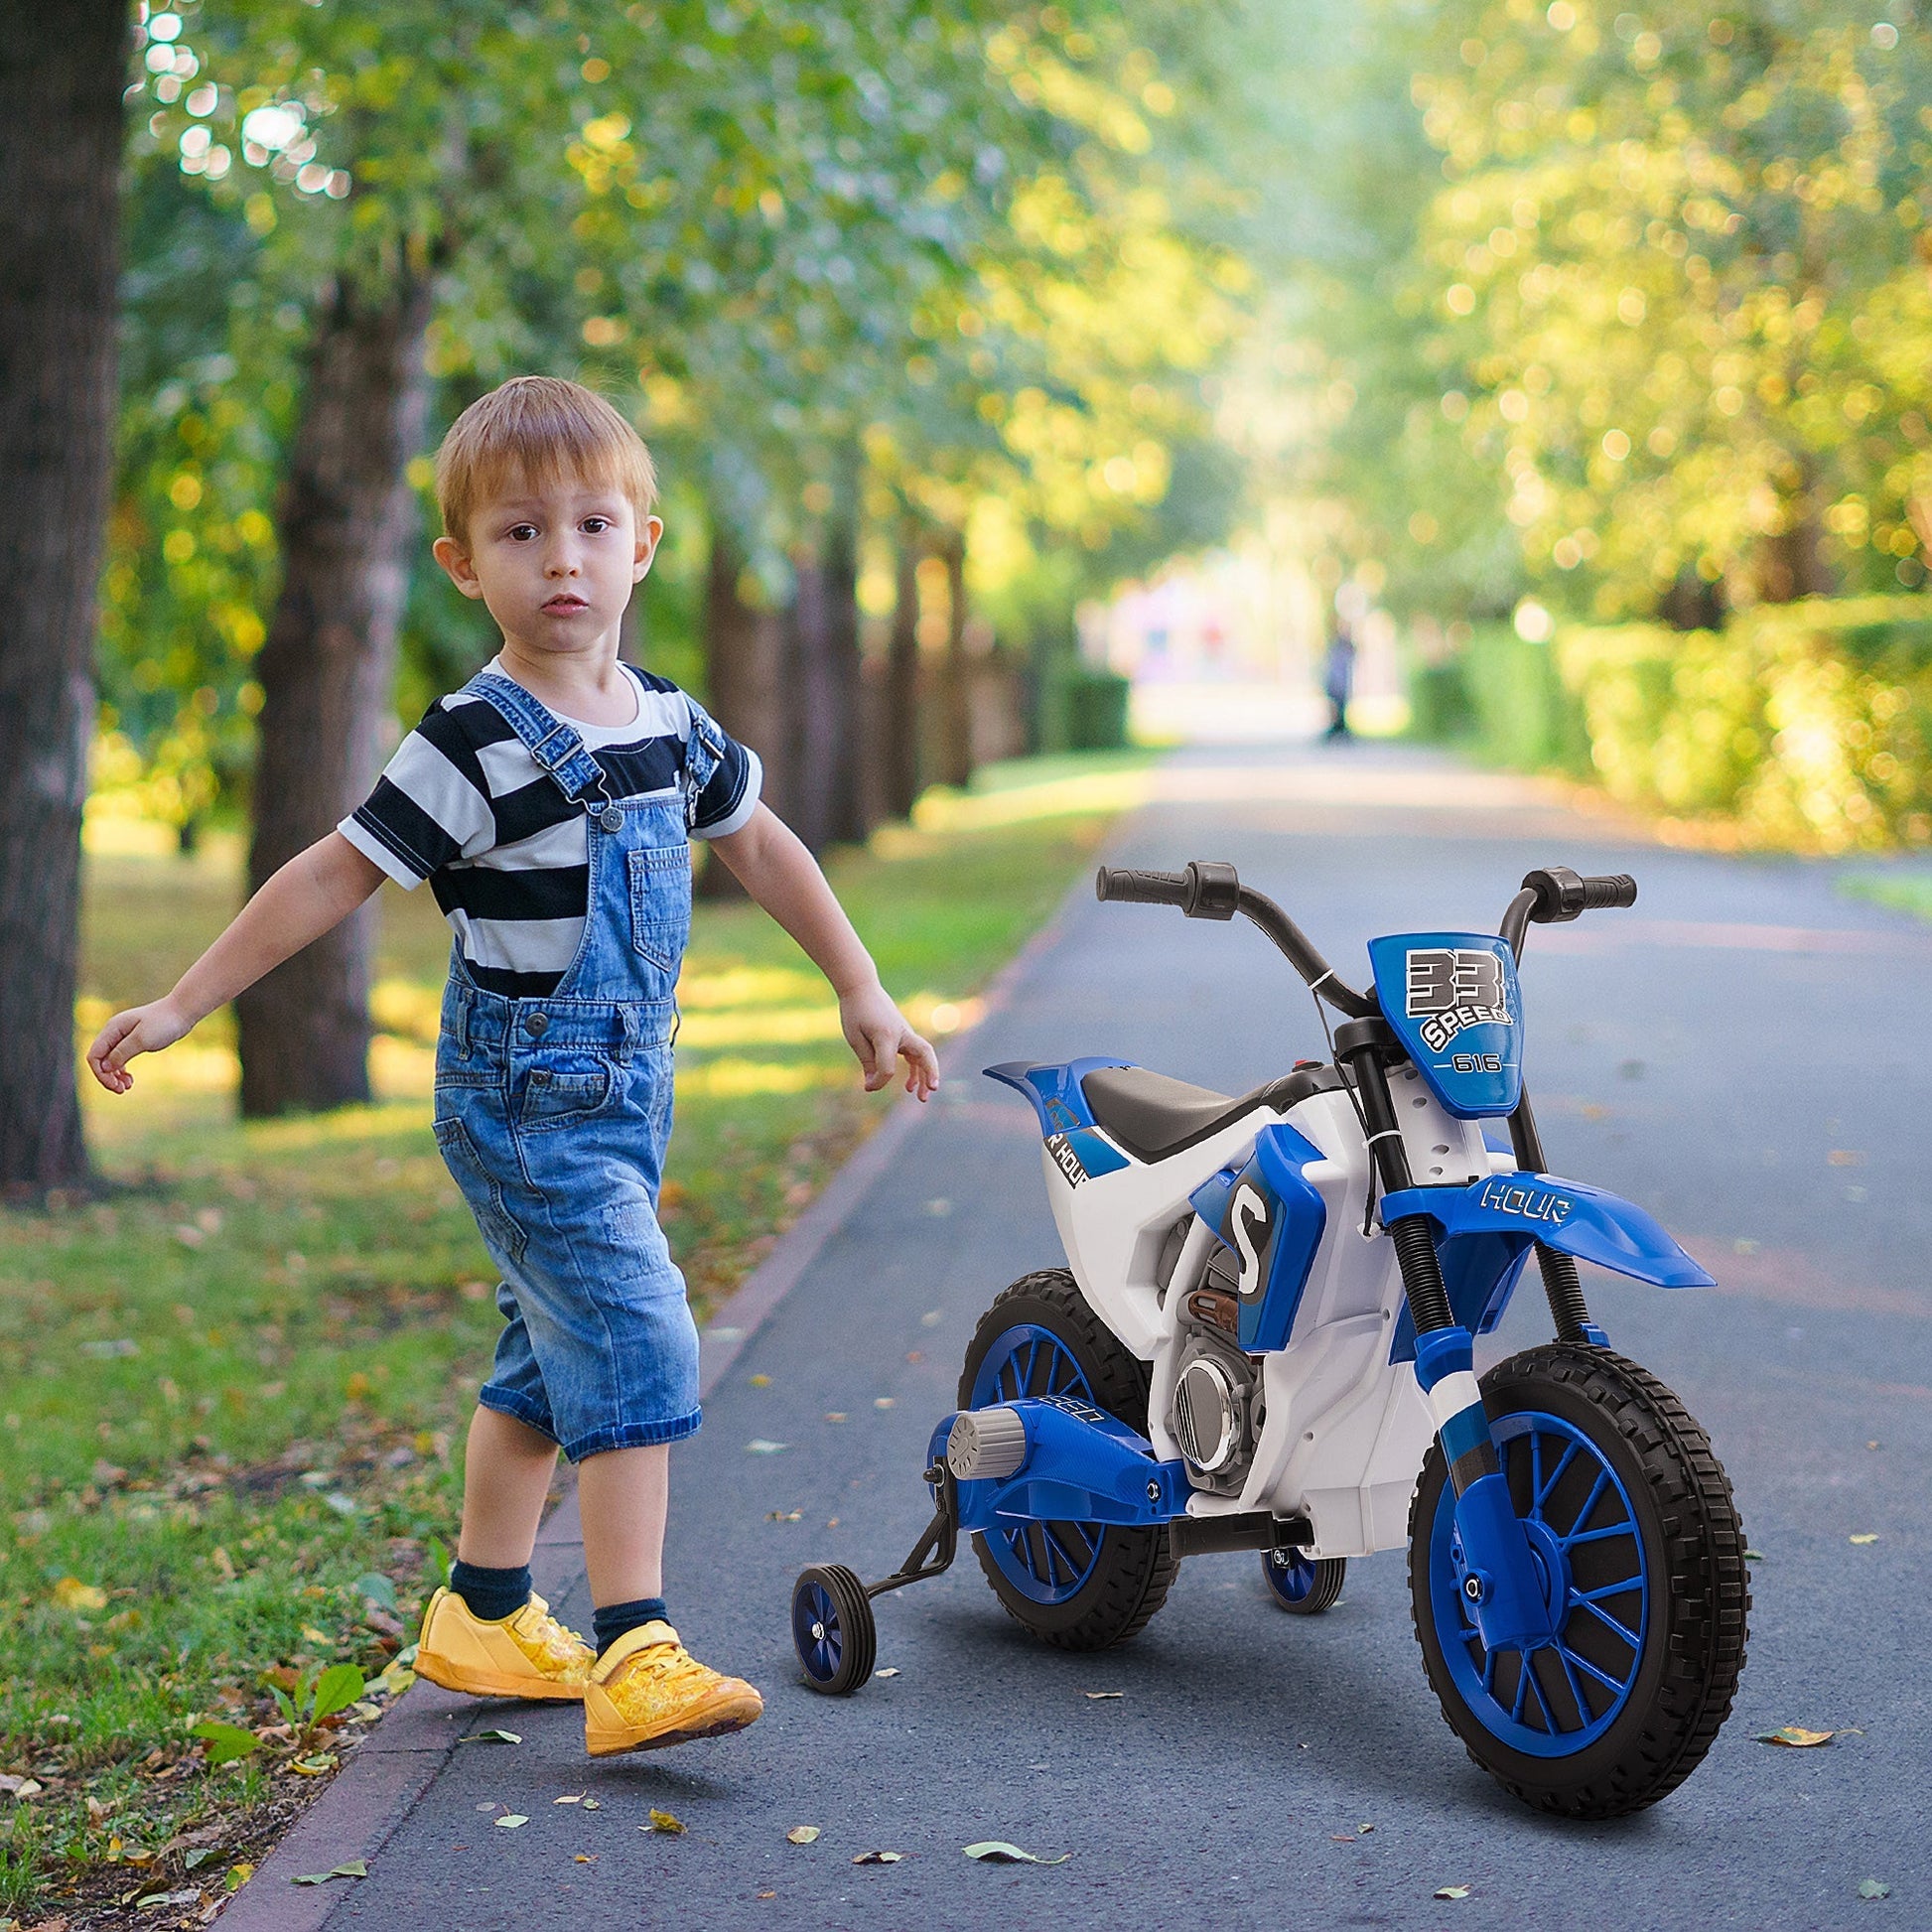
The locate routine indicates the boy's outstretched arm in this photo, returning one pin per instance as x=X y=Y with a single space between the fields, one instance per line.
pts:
x=316 y=890
x=773 y=866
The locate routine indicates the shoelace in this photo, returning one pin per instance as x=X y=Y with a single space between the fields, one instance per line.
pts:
x=551 y=1642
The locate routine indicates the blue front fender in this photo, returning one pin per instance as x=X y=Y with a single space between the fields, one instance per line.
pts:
x=1567 y=1216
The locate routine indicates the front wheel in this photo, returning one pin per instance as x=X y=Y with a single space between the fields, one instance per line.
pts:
x=1633 y=1528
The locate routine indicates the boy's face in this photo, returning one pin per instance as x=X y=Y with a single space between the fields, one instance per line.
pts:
x=555 y=566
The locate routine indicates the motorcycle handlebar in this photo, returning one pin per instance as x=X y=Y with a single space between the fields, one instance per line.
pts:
x=1140 y=888
x=1210 y=890
x=1554 y=895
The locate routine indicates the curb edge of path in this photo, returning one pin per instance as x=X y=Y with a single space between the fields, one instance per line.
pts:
x=404 y=1752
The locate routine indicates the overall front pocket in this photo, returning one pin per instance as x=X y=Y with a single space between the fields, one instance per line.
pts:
x=660 y=902
x=559 y=1094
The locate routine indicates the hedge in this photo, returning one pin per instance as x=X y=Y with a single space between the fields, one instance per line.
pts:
x=1806 y=726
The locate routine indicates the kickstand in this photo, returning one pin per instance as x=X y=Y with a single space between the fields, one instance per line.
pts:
x=933 y=1553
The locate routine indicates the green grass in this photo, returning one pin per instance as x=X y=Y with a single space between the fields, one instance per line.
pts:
x=1902 y=890
x=233 y=1382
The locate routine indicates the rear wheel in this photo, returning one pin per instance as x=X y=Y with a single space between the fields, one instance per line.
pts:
x=1079 y=1586
x=1634 y=1532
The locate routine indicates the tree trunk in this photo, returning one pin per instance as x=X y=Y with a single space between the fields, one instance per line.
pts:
x=900 y=749
x=744 y=653
x=61 y=73
x=823 y=686
x=327 y=669
x=956 y=704
x=1792 y=563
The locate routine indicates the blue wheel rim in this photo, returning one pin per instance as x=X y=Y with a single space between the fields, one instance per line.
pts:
x=1292 y=1581
x=1048 y=1563
x=816 y=1631
x=1560 y=1698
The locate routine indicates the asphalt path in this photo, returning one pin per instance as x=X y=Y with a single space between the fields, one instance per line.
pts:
x=1743 y=1053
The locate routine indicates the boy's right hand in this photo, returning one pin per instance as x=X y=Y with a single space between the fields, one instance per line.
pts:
x=140 y=1030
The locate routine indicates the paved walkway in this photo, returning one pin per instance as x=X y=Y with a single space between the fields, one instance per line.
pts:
x=1743 y=1053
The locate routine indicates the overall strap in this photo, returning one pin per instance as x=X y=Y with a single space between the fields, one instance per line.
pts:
x=555 y=746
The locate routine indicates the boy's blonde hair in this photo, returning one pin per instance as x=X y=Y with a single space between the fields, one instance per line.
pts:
x=538 y=431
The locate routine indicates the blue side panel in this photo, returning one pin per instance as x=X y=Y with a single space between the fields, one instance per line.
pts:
x=1065 y=1119
x=1453 y=1002
x=1575 y=1219
x=1273 y=1218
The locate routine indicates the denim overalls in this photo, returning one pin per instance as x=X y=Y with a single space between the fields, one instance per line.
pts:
x=553 y=1114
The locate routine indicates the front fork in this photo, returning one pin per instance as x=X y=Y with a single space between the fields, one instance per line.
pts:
x=1502 y=1585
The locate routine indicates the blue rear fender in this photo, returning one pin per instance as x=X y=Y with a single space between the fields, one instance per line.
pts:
x=1067 y=1122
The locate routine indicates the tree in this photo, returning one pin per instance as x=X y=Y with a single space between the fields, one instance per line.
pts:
x=61 y=75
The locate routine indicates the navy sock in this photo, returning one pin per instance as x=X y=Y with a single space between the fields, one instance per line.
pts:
x=490 y=1594
x=615 y=1620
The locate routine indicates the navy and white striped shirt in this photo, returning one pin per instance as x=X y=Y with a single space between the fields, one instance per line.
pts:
x=464 y=805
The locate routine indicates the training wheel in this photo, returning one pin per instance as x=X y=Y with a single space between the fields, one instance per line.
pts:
x=833 y=1630
x=1303 y=1585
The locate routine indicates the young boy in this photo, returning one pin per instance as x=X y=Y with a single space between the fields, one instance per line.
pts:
x=549 y=803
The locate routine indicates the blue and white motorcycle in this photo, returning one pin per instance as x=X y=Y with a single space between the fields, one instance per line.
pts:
x=1266 y=1334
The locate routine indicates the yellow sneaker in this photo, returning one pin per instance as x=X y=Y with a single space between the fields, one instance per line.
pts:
x=528 y=1654
x=647 y=1691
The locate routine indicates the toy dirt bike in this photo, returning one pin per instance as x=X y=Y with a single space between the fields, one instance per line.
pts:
x=1266 y=1334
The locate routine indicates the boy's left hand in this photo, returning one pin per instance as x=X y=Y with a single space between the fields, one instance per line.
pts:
x=878 y=1033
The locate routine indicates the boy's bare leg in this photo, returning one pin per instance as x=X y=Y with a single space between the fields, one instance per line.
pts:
x=505 y=1478
x=623 y=1495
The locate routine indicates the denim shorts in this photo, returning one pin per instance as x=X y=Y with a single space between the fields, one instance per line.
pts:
x=553 y=1116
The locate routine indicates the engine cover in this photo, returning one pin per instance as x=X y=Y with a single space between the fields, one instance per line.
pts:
x=1215 y=1416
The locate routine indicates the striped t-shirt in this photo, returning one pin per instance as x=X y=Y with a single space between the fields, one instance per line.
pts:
x=464 y=805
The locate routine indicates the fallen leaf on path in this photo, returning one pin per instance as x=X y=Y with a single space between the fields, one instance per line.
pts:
x=1343 y=1837
x=878 y=1858
x=803 y=1834
x=569 y=1798
x=1097 y=1697
x=587 y=1857
x=492 y=1737
x=663 y=1821
x=996 y=1850
x=315 y=1766
x=1872 y=1446
x=349 y=1868
x=760 y=1381
x=885 y=1402
x=1796 y=1737
x=916 y=1354
x=835 y=1414
x=931 y=1319
x=1845 y=1156
x=1874 y=1889
x=1754 y=1556
x=758 y=1446
x=1451 y=1891
x=1364 y=1830
x=783 y=1515
x=593 y=1804
x=890 y=1670
x=512 y=1821
x=1869 y=1536
x=765 y=1894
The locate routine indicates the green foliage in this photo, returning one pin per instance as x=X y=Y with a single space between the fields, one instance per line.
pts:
x=1803 y=727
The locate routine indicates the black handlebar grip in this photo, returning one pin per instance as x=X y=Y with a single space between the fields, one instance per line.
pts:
x=1607 y=890
x=1140 y=888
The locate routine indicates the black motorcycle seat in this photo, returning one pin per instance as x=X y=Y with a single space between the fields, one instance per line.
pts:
x=1153 y=1116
